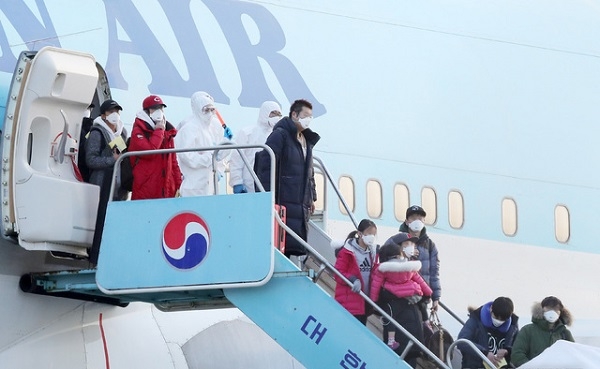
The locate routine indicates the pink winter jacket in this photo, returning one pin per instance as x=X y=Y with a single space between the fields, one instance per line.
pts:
x=400 y=278
x=347 y=265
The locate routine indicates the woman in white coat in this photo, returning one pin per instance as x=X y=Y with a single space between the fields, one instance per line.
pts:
x=240 y=177
x=196 y=131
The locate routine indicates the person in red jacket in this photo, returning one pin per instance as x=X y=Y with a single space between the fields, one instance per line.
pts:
x=154 y=176
x=354 y=260
x=397 y=286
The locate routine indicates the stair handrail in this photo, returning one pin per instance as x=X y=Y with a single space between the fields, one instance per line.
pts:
x=331 y=268
x=472 y=346
x=216 y=149
x=323 y=169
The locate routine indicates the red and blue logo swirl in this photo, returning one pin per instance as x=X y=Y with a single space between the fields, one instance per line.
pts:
x=186 y=240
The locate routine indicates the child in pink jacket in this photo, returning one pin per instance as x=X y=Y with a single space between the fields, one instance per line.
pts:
x=397 y=287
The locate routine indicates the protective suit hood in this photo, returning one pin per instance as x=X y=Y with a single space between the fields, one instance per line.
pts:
x=265 y=109
x=198 y=101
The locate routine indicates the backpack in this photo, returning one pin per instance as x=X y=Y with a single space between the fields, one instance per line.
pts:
x=127 y=167
x=86 y=126
x=127 y=170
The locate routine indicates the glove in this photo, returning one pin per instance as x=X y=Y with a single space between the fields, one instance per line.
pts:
x=413 y=299
x=356 y=286
x=227 y=133
x=240 y=188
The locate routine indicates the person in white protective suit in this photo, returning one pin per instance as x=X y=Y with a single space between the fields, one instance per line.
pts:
x=240 y=177
x=196 y=131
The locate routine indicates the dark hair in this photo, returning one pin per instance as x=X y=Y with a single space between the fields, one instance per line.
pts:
x=362 y=226
x=298 y=105
x=503 y=307
x=552 y=302
x=388 y=251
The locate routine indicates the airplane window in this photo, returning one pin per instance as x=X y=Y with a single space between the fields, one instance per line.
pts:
x=562 y=223
x=456 y=209
x=374 y=199
x=346 y=186
x=401 y=201
x=509 y=217
x=320 y=184
x=429 y=204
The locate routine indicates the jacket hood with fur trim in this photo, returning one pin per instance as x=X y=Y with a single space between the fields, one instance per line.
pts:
x=537 y=312
x=396 y=265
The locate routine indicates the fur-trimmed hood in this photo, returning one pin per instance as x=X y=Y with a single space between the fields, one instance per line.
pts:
x=397 y=265
x=537 y=313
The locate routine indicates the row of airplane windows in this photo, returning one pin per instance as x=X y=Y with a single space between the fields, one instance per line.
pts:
x=429 y=202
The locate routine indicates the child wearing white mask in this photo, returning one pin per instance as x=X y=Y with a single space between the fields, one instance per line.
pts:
x=549 y=321
x=355 y=260
x=426 y=252
x=397 y=286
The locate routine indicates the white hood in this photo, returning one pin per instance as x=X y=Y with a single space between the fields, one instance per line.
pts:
x=100 y=122
x=263 y=115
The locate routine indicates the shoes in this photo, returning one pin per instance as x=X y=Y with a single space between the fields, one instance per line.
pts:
x=394 y=345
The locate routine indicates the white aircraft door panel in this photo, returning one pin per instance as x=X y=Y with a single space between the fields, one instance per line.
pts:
x=49 y=208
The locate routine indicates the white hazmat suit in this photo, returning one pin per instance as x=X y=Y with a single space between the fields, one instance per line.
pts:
x=257 y=134
x=195 y=131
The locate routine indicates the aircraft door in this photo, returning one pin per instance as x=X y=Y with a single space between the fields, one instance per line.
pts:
x=44 y=202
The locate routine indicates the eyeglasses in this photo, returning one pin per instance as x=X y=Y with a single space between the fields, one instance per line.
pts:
x=208 y=110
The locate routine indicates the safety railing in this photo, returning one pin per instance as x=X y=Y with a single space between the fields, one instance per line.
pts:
x=472 y=346
x=215 y=149
x=321 y=166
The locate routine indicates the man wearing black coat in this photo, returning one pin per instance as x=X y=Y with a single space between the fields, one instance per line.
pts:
x=292 y=142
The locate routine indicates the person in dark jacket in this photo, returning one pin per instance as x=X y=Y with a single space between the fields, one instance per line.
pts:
x=549 y=324
x=492 y=328
x=154 y=176
x=292 y=142
x=426 y=253
x=397 y=287
x=101 y=153
x=86 y=126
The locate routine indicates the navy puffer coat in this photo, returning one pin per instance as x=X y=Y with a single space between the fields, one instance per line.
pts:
x=294 y=178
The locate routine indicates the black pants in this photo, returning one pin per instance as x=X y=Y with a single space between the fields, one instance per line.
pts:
x=409 y=317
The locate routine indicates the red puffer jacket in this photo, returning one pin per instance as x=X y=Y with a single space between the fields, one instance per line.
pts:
x=154 y=176
x=400 y=278
x=347 y=265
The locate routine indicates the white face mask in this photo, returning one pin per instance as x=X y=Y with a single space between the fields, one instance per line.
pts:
x=409 y=250
x=551 y=316
x=87 y=113
x=497 y=322
x=157 y=116
x=368 y=239
x=416 y=225
x=305 y=122
x=272 y=121
x=113 y=118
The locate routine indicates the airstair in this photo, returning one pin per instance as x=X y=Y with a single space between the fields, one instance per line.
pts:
x=212 y=252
